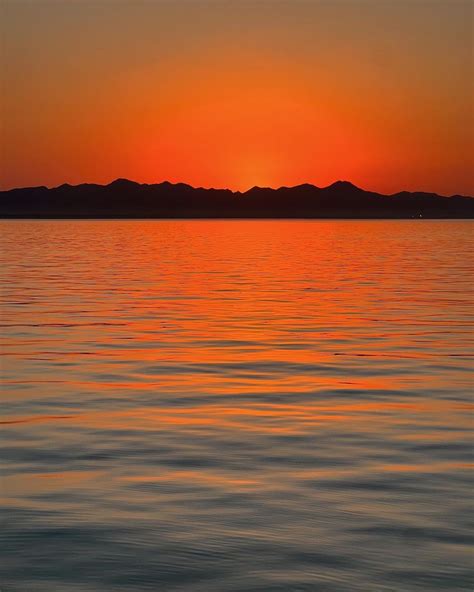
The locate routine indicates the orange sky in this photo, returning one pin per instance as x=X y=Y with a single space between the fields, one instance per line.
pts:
x=239 y=93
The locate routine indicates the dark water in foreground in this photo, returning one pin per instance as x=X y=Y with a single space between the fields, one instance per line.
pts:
x=236 y=406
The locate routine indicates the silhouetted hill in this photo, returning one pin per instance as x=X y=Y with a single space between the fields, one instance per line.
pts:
x=126 y=199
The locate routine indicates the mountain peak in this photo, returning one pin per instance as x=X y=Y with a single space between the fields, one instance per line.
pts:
x=343 y=186
x=257 y=189
x=123 y=183
x=305 y=186
x=169 y=185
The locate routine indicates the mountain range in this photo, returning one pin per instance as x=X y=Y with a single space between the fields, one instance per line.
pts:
x=126 y=199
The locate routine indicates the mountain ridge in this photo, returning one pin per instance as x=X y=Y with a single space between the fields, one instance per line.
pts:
x=123 y=198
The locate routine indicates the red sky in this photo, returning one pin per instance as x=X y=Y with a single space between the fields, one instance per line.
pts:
x=235 y=94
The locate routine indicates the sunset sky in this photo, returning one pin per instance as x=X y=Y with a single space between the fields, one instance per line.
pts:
x=238 y=93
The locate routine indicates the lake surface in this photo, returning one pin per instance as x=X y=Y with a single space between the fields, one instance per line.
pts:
x=236 y=406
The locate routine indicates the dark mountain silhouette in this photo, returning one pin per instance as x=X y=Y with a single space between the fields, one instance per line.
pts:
x=126 y=199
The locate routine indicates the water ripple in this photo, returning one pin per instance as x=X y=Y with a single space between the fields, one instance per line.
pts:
x=241 y=406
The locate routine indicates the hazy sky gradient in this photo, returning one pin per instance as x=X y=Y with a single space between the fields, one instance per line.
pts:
x=236 y=93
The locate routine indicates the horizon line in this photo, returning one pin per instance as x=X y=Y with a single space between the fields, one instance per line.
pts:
x=238 y=192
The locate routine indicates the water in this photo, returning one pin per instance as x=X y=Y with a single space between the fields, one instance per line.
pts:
x=220 y=406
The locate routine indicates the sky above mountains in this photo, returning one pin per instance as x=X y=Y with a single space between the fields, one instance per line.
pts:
x=238 y=93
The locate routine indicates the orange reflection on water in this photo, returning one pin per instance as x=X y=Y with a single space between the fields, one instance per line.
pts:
x=286 y=400
x=236 y=354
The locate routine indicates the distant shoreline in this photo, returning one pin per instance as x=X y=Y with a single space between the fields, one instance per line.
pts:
x=123 y=199
x=230 y=219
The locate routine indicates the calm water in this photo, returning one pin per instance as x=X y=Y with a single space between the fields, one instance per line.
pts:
x=214 y=406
